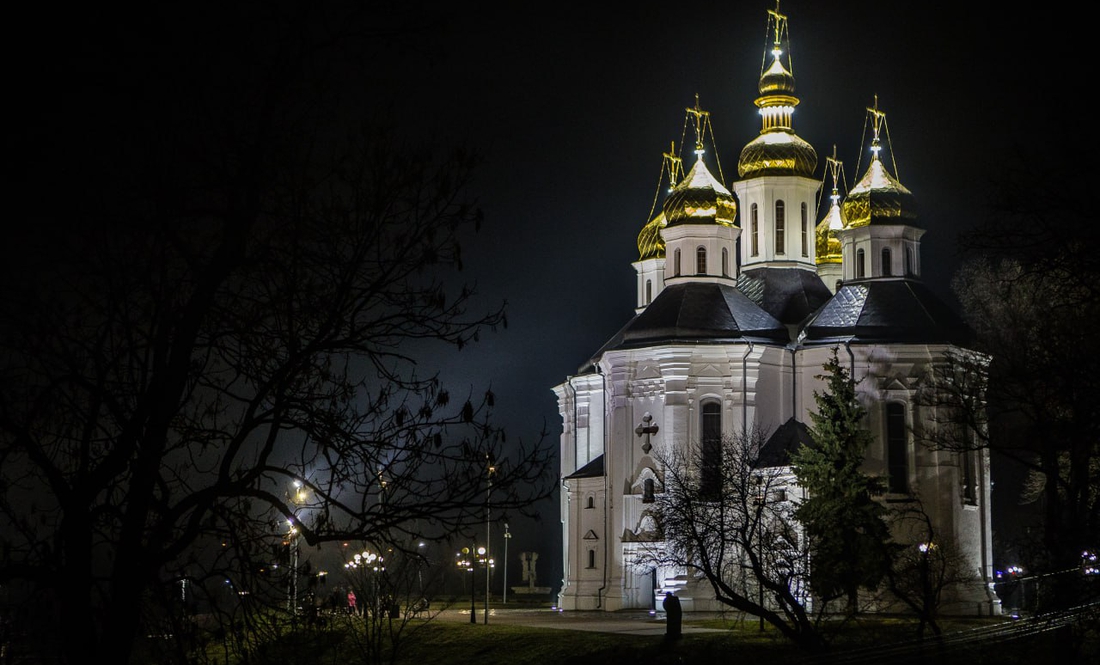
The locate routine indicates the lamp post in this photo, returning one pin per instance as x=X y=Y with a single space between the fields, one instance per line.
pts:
x=297 y=498
x=507 y=537
x=490 y=468
x=467 y=561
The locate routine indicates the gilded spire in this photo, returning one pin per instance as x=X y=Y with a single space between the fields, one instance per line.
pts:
x=777 y=150
x=879 y=198
x=828 y=242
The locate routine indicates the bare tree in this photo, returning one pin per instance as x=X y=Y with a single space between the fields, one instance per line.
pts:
x=922 y=570
x=743 y=539
x=227 y=345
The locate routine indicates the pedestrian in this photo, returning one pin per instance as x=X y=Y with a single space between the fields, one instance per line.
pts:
x=352 y=609
x=673 y=616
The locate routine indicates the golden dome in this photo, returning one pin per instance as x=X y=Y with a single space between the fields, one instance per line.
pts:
x=828 y=243
x=700 y=199
x=650 y=243
x=776 y=80
x=878 y=198
x=777 y=153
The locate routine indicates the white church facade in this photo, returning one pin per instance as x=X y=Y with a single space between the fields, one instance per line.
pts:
x=743 y=294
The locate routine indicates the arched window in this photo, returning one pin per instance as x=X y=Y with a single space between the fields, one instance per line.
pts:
x=908 y=261
x=897 y=449
x=701 y=261
x=859 y=263
x=676 y=262
x=725 y=262
x=648 y=291
x=805 y=232
x=886 y=269
x=780 y=228
x=591 y=558
x=754 y=231
x=710 y=472
x=590 y=503
x=647 y=491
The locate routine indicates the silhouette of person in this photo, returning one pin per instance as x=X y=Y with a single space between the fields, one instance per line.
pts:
x=673 y=616
x=351 y=603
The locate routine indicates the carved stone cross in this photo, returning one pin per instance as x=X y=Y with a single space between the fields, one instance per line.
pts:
x=648 y=430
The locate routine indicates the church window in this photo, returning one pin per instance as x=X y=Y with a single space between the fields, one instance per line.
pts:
x=897 y=449
x=725 y=262
x=591 y=558
x=710 y=472
x=908 y=261
x=859 y=263
x=780 y=228
x=676 y=262
x=701 y=261
x=648 y=291
x=754 y=231
x=886 y=270
x=647 y=491
x=969 y=482
x=590 y=503
x=805 y=232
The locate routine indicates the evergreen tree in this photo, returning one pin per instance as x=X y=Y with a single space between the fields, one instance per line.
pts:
x=846 y=527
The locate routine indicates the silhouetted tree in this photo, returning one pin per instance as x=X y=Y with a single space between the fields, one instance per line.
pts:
x=1029 y=292
x=238 y=290
x=736 y=528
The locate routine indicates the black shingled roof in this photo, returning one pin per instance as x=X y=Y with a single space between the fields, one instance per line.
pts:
x=593 y=469
x=699 y=312
x=777 y=451
x=788 y=294
x=897 y=310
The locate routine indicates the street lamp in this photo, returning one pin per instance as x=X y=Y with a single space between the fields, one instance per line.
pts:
x=490 y=468
x=507 y=537
x=298 y=496
x=466 y=560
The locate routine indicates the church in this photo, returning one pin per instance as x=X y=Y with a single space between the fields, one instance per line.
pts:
x=744 y=292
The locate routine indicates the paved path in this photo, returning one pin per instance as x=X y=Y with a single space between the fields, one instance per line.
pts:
x=625 y=622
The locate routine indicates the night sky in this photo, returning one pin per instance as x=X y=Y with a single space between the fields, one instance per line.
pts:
x=572 y=107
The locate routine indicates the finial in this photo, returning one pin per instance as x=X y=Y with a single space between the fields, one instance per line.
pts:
x=699 y=119
x=674 y=165
x=877 y=117
x=780 y=19
x=833 y=167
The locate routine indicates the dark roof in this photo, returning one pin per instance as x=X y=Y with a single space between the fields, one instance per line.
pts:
x=593 y=469
x=788 y=294
x=698 y=312
x=891 y=310
x=777 y=451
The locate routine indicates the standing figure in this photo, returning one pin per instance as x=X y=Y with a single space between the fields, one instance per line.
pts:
x=673 y=616
x=351 y=603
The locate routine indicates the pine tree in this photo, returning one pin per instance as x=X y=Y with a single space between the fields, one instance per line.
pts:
x=848 y=535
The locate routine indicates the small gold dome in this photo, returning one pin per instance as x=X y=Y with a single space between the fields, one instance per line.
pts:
x=776 y=80
x=878 y=198
x=777 y=153
x=700 y=199
x=650 y=243
x=828 y=243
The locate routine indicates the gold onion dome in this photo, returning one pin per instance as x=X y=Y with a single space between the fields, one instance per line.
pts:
x=699 y=199
x=878 y=198
x=777 y=80
x=828 y=242
x=650 y=243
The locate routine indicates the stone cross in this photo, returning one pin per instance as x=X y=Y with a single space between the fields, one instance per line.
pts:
x=648 y=430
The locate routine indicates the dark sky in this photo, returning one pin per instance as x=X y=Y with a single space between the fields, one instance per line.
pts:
x=572 y=107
